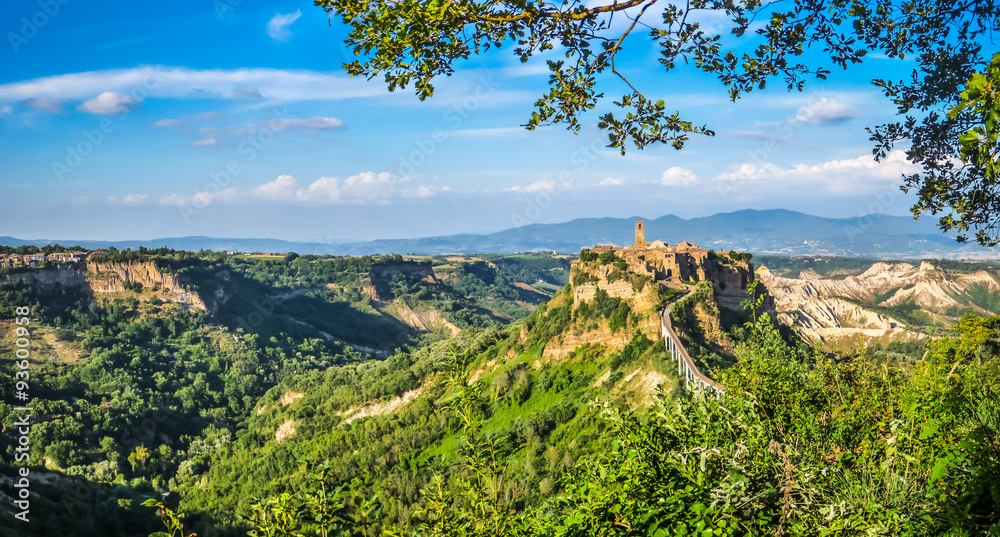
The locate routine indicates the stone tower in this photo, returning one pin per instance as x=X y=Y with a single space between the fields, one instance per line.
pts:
x=640 y=234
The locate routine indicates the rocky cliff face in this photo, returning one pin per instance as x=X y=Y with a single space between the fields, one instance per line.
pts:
x=642 y=302
x=67 y=275
x=817 y=306
x=565 y=345
x=381 y=276
x=731 y=281
x=709 y=325
x=420 y=320
x=111 y=277
x=928 y=285
x=827 y=319
x=587 y=291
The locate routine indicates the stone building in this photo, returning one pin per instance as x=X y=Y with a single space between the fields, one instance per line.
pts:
x=663 y=262
x=683 y=261
x=672 y=266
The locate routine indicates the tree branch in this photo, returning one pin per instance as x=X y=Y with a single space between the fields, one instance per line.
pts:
x=556 y=14
x=614 y=50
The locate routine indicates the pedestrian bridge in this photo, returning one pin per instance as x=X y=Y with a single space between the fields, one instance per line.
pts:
x=686 y=367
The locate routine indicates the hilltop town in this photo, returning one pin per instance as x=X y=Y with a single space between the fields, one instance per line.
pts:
x=681 y=264
x=32 y=260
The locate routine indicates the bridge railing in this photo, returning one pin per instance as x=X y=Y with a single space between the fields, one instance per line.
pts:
x=686 y=367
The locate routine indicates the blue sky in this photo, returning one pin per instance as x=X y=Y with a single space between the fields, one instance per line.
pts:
x=229 y=118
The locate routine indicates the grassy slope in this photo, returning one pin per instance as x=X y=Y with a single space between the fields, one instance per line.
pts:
x=120 y=347
x=541 y=412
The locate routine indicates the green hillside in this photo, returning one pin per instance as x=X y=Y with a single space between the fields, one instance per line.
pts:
x=331 y=415
x=112 y=372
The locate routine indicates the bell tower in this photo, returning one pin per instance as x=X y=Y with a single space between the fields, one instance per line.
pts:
x=640 y=234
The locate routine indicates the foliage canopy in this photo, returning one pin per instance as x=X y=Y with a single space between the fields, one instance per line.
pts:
x=948 y=105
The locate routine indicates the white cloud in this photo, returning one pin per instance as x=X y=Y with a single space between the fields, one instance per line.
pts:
x=549 y=185
x=231 y=195
x=174 y=200
x=45 y=104
x=229 y=131
x=612 y=181
x=213 y=135
x=544 y=184
x=311 y=123
x=110 y=103
x=278 y=26
x=752 y=172
x=324 y=189
x=177 y=122
x=228 y=195
x=259 y=87
x=842 y=177
x=677 y=176
x=247 y=93
x=208 y=115
x=163 y=123
x=366 y=188
x=210 y=136
x=282 y=188
x=751 y=134
x=825 y=112
x=6 y=110
x=182 y=82
x=131 y=199
x=423 y=191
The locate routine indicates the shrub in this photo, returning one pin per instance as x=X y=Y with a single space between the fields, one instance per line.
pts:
x=607 y=258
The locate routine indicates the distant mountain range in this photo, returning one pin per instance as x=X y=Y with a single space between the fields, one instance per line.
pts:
x=774 y=231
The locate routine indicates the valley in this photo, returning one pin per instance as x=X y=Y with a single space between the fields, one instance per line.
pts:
x=417 y=386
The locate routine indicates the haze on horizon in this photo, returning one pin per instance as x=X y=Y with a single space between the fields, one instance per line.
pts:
x=118 y=125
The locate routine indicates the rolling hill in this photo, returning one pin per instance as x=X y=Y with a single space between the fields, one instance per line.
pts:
x=774 y=231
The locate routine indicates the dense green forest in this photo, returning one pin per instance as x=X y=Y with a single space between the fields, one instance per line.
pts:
x=272 y=428
x=799 y=445
x=178 y=383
